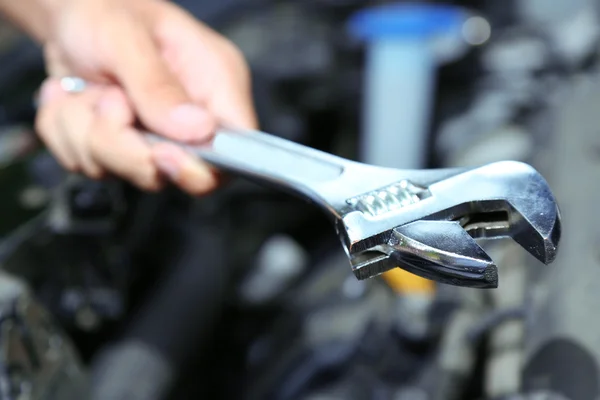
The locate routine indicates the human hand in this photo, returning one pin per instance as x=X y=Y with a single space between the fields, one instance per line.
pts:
x=147 y=59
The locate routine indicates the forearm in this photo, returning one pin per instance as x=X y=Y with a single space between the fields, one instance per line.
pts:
x=31 y=16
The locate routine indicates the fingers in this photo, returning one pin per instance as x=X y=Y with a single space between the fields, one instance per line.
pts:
x=89 y=132
x=120 y=148
x=76 y=122
x=92 y=133
x=233 y=102
x=190 y=174
x=157 y=95
x=126 y=153
x=212 y=68
x=234 y=106
x=52 y=121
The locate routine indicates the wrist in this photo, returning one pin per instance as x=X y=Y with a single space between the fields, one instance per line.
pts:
x=31 y=16
x=52 y=10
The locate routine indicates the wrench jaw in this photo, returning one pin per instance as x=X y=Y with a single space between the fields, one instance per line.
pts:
x=439 y=244
x=368 y=257
x=446 y=250
x=432 y=229
x=439 y=250
x=537 y=230
x=522 y=208
x=532 y=215
x=538 y=233
x=443 y=251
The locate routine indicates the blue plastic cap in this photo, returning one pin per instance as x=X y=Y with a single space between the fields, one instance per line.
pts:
x=406 y=20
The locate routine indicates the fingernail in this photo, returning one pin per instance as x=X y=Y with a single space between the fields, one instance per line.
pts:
x=166 y=164
x=190 y=116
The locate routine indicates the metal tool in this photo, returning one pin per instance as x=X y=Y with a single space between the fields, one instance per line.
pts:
x=424 y=221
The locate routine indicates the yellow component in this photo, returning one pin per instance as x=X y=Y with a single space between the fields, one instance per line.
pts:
x=403 y=282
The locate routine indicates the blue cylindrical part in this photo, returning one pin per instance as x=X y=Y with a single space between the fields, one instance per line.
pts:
x=397 y=102
x=399 y=79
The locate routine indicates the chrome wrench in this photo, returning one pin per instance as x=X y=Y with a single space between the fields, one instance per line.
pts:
x=424 y=221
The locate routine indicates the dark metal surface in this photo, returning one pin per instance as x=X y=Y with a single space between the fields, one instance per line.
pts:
x=37 y=360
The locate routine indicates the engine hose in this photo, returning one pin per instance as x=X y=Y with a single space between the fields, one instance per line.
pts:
x=175 y=324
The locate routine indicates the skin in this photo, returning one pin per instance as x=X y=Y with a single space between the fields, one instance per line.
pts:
x=147 y=60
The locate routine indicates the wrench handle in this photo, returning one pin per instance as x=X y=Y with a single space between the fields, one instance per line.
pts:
x=264 y=157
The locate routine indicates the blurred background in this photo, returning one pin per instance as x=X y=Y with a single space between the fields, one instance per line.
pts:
x=109 y=293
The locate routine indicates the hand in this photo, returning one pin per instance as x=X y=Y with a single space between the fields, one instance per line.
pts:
x=150 y=60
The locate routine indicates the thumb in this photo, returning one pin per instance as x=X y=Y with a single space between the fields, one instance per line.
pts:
x=159 y=99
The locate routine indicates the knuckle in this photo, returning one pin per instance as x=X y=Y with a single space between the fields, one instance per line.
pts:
x=113 y=105
x=162 y=86
x=115 y=95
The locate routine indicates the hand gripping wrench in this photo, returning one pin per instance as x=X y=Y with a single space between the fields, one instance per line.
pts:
x=424 y=221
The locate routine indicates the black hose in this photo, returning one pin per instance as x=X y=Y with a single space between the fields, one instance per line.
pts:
x=175 y=324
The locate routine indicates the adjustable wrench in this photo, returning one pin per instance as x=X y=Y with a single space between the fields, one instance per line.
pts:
x=424 y=221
